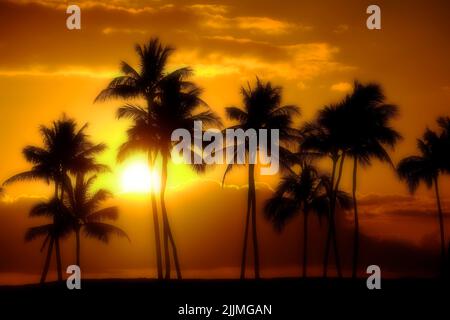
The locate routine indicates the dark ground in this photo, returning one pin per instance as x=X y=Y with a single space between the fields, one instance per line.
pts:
x=290 y=299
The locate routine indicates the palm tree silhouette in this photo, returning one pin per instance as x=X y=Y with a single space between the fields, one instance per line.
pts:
x=84 y=208
x=141 y=137
x=144 y=83
x=60 y=227
x=427 y=167
x=65 y=150
x=307 y=192
x=178 y=106
x=327 y=137
x=369 y=133
x=262 y=109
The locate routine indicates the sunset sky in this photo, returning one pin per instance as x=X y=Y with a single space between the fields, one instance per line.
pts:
x=313 y=50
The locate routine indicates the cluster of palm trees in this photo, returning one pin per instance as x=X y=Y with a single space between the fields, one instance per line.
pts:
x=171 y=102
x=67 y=160
x=432 y=162
x=357 y=128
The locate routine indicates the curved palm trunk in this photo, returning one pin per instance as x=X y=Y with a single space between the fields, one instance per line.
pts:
x=167 y=232
x=330 y=213
x=247 y=220
x=159 y=266
x=356 y=231
x=175 y=252
x=305 y=243
x=157 y=235
x=441 y=224
x=253 y=216
x=47 y=261
x=78 y=246
x=58 y=259
x=57 y=248
x=332 y=235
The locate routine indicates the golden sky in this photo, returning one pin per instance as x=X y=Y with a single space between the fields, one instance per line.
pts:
x=314 y=50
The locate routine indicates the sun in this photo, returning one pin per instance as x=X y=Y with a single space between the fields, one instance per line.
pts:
x=137 y=177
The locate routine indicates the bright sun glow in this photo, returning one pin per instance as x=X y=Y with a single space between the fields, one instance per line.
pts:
x=138 y=178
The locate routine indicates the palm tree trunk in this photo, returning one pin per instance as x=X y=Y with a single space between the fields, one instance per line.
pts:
x=328 y=240
x=47 y=261
x=332 y=235
x=56 y=238
x=247 y=220
x=167 y=232
x=165 y=224
x=156 y=228
x=441 y=224
x=356 y=231
x=305 y=243
x=175 y=252
x=58 y=259
x=333 y=224
x=157 y=235
x=254 y=227
x=78 y=246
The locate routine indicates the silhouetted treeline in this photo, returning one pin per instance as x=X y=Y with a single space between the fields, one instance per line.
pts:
x=358 y=129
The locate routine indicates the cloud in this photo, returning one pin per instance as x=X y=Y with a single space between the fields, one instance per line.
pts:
x=341 y=87
x=69 y=72
x=258 y=24
x=119 y=5
x=341 y=28
x=111 y=30
x=247 y=57
x=264 y=24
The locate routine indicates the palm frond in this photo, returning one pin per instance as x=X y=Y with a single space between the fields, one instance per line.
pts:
x=102 y=231
x=110 y=213
x=37 y=232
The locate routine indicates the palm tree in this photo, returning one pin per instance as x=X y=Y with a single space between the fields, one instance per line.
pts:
x=307 y=192
x=262 y=109
x=84 y=209
x=65 y=150
x=144 y=83
x=327 y=137
x=427 y=167
x=369 y=133
x=60 y=227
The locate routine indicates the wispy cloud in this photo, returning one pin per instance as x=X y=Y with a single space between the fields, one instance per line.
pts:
x=341 y=87
x=70 y=72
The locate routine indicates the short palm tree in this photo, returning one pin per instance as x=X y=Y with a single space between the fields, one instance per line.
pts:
x=60 y=227
x=144 y=83
x=428 y=167
x=369 y=135
x=262 y=109
x=85 y=209
x=65 y=149
x=307 y=192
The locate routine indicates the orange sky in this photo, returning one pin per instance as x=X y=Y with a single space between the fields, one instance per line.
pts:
x=313 y=50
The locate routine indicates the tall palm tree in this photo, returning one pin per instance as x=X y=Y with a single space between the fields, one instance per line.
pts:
x=327 y=136
x=427 y=167
x=145 y=83
x=65 y=149
x=59 y=228
x=307 y=192
x=369 y=133
x=176 y=105
x=141 y=137
x=84 y=208
x=262 y=109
